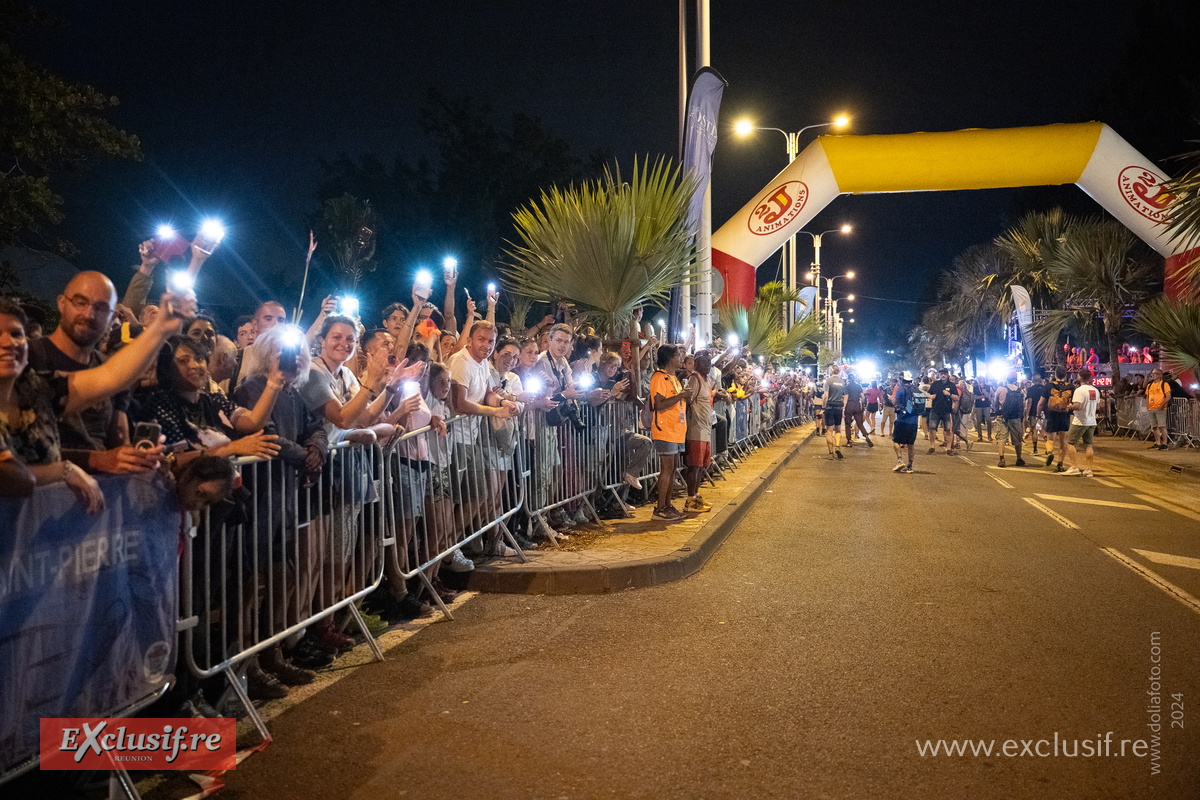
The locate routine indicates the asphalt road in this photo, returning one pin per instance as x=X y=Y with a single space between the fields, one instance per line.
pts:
x=854 y=613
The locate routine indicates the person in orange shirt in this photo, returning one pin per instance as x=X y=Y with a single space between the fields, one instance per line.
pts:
x=1158 y=398
x=668 y=426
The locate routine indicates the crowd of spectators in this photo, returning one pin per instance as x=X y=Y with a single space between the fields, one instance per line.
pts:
x=497 y=434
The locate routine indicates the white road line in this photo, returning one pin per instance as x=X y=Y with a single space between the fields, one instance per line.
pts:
x=1154 y=578
x=1022 y=469
x=1000 y=481
x=1180 y=510
x=1061 y=520
x=1063 y=499
x=1168 y=558
x=1109 y=484
x=969 y=461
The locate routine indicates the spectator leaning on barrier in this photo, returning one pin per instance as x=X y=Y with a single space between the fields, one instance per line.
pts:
x=668 y=427
x=554 y=371
x=698 y=442
x=95 y=438
x=31 y=403
x=1158 y=400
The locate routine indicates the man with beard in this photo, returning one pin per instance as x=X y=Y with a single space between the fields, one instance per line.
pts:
x=96 y=438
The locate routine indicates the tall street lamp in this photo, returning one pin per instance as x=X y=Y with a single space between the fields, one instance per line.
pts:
x=835 y=326
x=815 y=275
x=744 y=128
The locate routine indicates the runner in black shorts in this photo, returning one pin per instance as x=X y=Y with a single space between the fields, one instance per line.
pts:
x=835 y=393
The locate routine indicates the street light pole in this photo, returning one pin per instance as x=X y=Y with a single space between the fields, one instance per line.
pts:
x=789 y=252
x=704 y=291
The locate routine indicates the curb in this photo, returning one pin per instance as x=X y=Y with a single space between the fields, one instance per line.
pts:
x=687 y=560
x=1185 y=472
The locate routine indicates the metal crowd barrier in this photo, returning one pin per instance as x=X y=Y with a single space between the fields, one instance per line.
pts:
x=1183 y=422
x=293 y=550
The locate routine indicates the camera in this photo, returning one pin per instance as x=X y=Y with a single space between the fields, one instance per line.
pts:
x=566 y=411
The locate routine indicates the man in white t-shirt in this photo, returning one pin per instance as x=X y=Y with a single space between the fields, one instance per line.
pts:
x=1083 y=423
x=472 y=396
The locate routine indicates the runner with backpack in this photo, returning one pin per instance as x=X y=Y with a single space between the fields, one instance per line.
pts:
x=908 y=415
x=1057 y=403
x=1011 y=401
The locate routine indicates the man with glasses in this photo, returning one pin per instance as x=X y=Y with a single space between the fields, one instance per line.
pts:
x=96 y=438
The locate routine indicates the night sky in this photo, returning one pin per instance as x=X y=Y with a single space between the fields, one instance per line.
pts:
x=235 y=103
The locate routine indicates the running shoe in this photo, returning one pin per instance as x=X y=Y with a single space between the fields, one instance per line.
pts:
x=908 y=470
x=632 y=481
x=869 y=442
x=1073 y=471
x=1020 y=462
x=1049 y=458
x=458 y=562
x=1002 y=464
x=1087 y=473
x=932 y=450
x=838 y=453
x=899 y=467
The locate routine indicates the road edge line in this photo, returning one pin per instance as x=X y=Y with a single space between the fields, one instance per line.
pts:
x=1156 y=579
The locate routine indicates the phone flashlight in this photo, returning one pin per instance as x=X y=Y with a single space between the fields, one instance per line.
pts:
x=534 y=385
x=213 y=229
x=662 y=323
x=424 y=278
x=165 y=232
x=733 y=340
x=586 y=381
x=411 y=388
x=699 y=345
x=289 y=354
x=182 y=281
x=449 y=267
x=349 y=306
x=491 y=288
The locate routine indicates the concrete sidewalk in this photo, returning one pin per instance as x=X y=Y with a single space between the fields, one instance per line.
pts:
x=1182 y=462
x=640 y=551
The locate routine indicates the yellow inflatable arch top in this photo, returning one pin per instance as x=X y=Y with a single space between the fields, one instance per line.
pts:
x=1090 y=155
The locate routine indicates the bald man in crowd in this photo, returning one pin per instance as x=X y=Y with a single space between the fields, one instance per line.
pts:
x=96 y=438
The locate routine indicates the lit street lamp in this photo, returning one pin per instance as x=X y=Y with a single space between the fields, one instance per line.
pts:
x=744 y=128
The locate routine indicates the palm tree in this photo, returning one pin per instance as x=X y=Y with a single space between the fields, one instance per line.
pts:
x=1102 y=270
x=606 y=245
x=350 y=223
x=761 y=327
x=972 y=297
x=1026 y=248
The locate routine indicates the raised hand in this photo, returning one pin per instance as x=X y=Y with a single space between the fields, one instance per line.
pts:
x=256 y=445
x=329 y=305
x=149 y=260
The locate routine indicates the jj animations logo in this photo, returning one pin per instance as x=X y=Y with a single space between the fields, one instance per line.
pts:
x=143 y=744
x=1142 y=189
x=779 y=207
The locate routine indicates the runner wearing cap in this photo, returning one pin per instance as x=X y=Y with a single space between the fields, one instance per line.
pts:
x=908 y=416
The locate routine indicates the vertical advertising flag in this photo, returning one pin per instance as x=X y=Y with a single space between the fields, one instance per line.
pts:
x=699 y=141
x=1024 y=308
x=808 y=302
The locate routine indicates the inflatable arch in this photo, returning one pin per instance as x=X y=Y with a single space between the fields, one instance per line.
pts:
x=1089 y=154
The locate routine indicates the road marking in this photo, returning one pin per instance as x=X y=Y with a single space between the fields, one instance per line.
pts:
x=1022 y=469
x=969 y=461
x=1000 y=481
x=1167 y=558
x=1109 y=484
x=1154 y=578
x=1180 y=510
x=1090 y=502
x=1061 y=520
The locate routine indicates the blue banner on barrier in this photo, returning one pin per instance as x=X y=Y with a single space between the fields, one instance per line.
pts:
x=87 y=605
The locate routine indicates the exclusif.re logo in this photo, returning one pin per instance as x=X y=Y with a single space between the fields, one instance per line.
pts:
x=779 y=207
x=1142 y=189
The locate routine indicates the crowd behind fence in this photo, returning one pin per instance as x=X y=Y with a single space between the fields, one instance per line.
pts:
x=299 y=549
x=1183 y=419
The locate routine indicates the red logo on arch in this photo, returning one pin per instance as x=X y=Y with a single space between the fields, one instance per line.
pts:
x=1142 y=189
x=779 y=206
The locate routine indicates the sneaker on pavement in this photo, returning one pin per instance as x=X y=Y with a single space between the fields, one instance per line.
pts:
x=1073 y=471
x=457 y=562
x=899 y=467
x=307 y=655
x=1020 y=462
x=932 y=450
x=1049 y=458
x=580 y=517
x=263 y=686
x=1060 y=467
x=869 y=442
x=1087 y=473
x=1002 y=464
x=662 y=515
x=837 y=452
x=376 y=625
x=328 y=638
x=908 y=470
x=289 y=674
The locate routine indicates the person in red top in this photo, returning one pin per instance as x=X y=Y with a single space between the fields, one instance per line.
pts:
x=668 y=427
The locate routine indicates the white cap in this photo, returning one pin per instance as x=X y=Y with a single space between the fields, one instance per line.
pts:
x=906 y=375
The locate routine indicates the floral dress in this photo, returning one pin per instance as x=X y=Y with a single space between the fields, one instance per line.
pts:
x=32 y=433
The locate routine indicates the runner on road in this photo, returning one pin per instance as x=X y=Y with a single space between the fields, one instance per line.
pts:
x=835 y=393
x=854 y=411
x=1012 y=417
x=1083 y=423
x=908 y=416
x=944 y=394
x=1057 y=403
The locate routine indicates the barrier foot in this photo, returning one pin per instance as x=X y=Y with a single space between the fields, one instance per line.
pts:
x=617 y=497
x=592 y=510
x=235 y=683
x=120 y=785
x=436 y=597
x=362 y=626
x=512 y=542
x=549 y=531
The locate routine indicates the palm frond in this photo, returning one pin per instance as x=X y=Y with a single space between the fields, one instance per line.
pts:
x=519 y=312
x=1183 y=217
x=1048 y=329
x=606 y=245
x=1175 y=326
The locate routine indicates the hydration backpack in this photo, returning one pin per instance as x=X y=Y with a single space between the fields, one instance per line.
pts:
x=1014 y=404
x=1059 y=398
